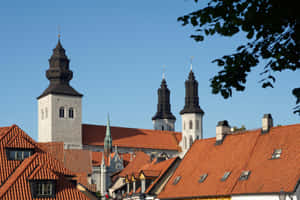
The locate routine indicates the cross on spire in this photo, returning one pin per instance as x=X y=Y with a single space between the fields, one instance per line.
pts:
x=192 y=57
x=164 y=70
x=59 y=32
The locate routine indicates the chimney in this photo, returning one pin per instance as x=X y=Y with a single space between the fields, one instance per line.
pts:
x=222 y=129
x=267 y=123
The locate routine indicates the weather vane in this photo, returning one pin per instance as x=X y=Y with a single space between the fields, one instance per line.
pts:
x=59 y=32
x=192 y=57
x=164 y=70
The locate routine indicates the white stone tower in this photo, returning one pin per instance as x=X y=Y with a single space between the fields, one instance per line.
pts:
x=164 y=119
x=191 y=115
x=59 y=106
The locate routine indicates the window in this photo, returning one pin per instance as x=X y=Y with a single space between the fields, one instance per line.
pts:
x=42 y=114
x=183 y=125
x=225 y=176
x=202 y=178
x=61 y=112
x=18 y=154
x=71 y=113
x=162 y=128
x=176 y=180
x=43 y=188
x=191 y=140
x=276 y=154
x=184 y=142
x=244 y=175
x=197 y=124
x=191 y=124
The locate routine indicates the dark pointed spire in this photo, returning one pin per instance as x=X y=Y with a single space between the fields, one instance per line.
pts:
x=107 y=139
x=163 y=106
x=191 y=96
x=59 y=74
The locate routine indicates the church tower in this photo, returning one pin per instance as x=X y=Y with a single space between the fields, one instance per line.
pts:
x=164 y=119
x=59 y=106
x=191 y=114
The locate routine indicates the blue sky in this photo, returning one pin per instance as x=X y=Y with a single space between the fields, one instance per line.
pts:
x=117 y=50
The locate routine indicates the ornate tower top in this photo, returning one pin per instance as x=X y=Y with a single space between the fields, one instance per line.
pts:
x=59 y=74
x=191 y=96
x=163 y=106
x=107 y=140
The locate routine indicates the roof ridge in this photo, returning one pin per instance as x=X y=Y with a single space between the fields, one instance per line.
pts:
x=16 y=174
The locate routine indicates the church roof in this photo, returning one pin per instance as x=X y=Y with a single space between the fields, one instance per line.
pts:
x=59 y=74
x=131 y=137
x=240 y=152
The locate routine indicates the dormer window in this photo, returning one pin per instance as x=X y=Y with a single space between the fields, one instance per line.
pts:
x=43 y=188
x=61 y=112
x=276 y=154
x=18 y=154
x=245 y=175
x=71 y=113
x=202 y=178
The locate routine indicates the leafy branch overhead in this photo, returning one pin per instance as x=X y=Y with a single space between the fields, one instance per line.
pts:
x=270 y=27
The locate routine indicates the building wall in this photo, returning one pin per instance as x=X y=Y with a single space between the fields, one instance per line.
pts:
x=121 y=150
x=261 y=197
x=53 y=128
x=164 y=124
x=188 y=134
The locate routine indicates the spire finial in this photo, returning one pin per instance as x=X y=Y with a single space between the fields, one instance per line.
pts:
x=59 y=32
x=192 y=57
x=164 y=70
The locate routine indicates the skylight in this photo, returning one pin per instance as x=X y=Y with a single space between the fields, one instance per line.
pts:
x=177 y=179
x=276 y=154
x=245 y=175
x=225 y=176
x=202 y=178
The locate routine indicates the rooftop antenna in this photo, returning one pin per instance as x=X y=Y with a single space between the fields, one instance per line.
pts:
x=192 y=57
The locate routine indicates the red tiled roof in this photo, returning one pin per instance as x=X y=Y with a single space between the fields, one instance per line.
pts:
x=55 y=148
x=42 y=173
x=249 y=150
x=136 y=164
x=19 y=141
x=78 y=160
x=14 y=175
x=131 y=137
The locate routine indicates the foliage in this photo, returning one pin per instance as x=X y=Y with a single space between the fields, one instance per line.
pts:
x=270 y=27
x=243 y=128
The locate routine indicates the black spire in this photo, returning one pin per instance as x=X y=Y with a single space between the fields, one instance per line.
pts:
x=59 y=74
x=163 y=106
x=191 y=96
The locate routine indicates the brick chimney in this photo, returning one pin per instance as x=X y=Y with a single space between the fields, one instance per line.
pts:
x=267 y=123
x=222 y=129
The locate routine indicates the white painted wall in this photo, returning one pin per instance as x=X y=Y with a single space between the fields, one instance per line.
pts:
x=53 y=128
x=196 y=132
x=261 y=197
x=167 y=124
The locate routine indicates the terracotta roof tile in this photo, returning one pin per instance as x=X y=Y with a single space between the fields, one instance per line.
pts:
x=55 y=148
x=136 y=164
x=249 y=150
x=14 y=175
x=131 y=137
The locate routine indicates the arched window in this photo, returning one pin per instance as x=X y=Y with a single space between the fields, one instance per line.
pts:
x=191 y=141
x=42 y=114
x=71 y=113
x=61 y=112
x=197 y=124
x=184 y=142
x=191 y=124
x=162 y=128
